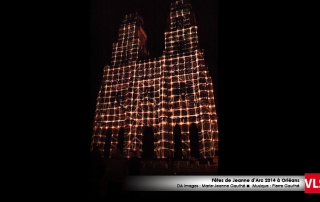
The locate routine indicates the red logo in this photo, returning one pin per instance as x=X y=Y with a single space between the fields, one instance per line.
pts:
x=312 y=183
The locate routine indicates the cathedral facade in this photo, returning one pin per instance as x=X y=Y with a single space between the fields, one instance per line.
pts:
x=158 y=106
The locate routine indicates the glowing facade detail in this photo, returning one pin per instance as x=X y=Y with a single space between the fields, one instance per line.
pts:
x=175 y=89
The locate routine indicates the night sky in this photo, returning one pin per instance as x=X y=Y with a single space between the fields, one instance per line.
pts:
x=105 y=20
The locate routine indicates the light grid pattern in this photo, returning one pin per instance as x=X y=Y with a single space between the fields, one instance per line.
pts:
x=174 y=89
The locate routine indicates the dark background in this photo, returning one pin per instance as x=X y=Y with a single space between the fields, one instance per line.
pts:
x=262 y=82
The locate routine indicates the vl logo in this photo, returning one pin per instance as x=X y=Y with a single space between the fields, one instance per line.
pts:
x=312 y=183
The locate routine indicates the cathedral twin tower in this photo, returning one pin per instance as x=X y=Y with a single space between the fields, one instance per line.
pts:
x=160 y=106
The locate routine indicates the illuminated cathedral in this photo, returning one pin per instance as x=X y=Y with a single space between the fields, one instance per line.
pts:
x=157 y=106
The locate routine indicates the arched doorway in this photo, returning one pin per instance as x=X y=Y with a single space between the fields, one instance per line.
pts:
x=177 y=142
x=120 y=140
x=107 y=143
x=194 y=141
x=148 y=143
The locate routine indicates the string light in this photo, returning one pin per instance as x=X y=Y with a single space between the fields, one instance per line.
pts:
x=159 y=92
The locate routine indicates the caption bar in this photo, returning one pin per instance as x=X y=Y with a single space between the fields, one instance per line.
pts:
x=221 y=183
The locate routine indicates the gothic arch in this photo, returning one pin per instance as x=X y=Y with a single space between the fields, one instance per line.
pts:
x=177 y=142
x=148 y=143
x=194 y=141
